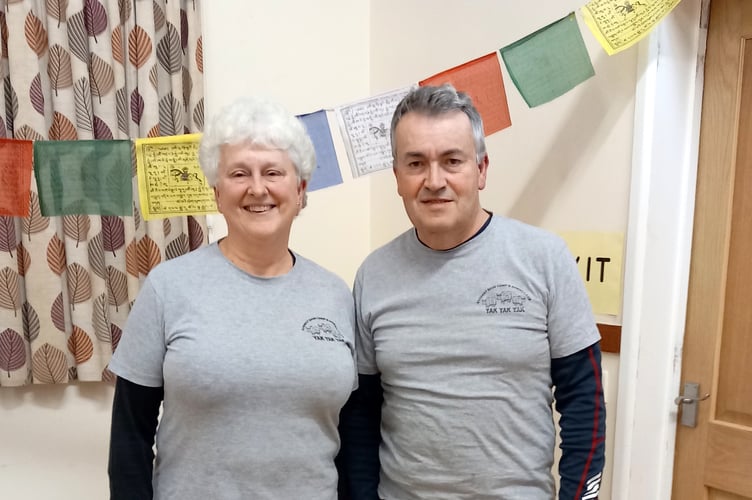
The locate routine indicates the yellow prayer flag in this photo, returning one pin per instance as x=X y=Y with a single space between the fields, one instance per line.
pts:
x=170 y=181
x=618 y=25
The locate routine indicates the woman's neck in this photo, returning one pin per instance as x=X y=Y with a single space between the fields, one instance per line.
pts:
x=263 y=260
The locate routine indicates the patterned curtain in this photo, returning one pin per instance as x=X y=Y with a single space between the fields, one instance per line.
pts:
x=89 y=69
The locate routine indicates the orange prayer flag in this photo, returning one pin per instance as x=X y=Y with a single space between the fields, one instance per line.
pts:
x=15 y=176
x=481 y=79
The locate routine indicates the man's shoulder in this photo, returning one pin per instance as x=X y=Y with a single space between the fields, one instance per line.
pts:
x=522 y=232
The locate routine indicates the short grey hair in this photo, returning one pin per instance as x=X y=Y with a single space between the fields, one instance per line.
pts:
x=433 y=101
x=261 y=122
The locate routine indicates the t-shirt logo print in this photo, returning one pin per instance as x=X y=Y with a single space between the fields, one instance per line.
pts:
x=323 y=329
x=503 y=299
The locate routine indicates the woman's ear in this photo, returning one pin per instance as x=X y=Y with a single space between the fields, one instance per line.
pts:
x=216 y=198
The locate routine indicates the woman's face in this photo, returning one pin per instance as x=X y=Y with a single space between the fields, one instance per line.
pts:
x=257 y=191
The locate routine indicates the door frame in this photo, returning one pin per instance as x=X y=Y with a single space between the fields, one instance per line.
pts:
x=668 y=104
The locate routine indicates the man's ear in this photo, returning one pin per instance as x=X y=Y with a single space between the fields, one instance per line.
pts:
x=394 y=171
x=482 y=172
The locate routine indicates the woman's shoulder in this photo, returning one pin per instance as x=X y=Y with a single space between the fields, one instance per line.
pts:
x=184 y=265
x=311 y=269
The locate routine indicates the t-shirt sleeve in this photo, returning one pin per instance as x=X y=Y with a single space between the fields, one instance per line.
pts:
x=140 y=354
x=571 y=325
x=351 y=332
x=364 y=345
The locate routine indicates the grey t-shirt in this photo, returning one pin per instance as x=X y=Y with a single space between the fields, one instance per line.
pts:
x=255 y=371
x=463 y=340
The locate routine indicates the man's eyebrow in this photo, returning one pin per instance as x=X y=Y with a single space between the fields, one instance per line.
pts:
x=448 y=152
x=413 y=154
x=453 y=151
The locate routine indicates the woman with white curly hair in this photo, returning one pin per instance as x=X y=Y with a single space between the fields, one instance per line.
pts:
x=247 y=345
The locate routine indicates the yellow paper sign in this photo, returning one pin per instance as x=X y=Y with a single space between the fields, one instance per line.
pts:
x=618 y=25
x=170 y=181
x=599 y=259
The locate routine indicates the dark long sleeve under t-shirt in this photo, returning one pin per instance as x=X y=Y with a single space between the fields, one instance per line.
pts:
x=135 y=412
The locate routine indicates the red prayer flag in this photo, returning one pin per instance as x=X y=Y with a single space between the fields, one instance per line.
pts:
x=481 y=79
x=15 y=176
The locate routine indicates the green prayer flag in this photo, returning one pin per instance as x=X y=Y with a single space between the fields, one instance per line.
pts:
x=84 y=177
x=549 y=62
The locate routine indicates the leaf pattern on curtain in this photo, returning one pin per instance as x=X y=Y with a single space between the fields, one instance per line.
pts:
x=9 y=290
x=12 y=351
x=49 y=365
x=89 y=69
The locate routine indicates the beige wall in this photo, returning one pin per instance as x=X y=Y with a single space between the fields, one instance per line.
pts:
x=563 y=166
x=53 y=441
x=309 y=56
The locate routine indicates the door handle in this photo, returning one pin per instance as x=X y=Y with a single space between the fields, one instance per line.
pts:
x=688 y=404
x=687 y=400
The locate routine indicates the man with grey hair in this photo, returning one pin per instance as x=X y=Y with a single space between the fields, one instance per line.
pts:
x=470 y=325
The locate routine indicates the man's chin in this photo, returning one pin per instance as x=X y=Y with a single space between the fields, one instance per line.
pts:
x=433 y=229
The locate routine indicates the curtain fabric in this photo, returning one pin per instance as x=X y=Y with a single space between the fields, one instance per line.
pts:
x=89 y=70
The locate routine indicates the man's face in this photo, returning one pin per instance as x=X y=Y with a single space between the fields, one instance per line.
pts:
x=439 y=178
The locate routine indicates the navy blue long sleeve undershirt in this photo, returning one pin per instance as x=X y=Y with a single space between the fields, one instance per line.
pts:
x=135 y=412
x=578 y=395
x=360 y=432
